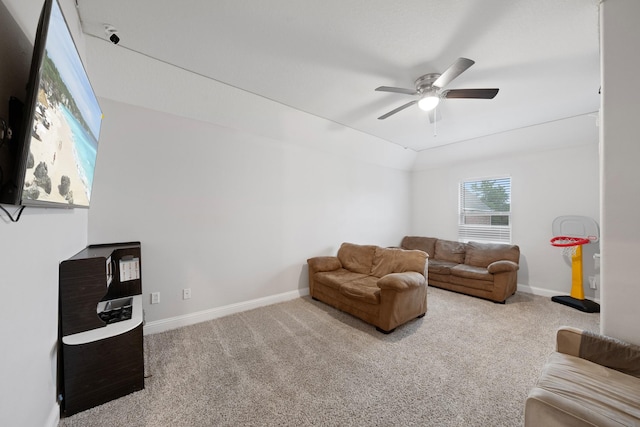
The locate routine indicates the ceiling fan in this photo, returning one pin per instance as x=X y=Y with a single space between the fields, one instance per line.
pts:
x=430 y=89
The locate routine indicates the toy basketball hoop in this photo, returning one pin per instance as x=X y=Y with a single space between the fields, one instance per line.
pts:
x=572 y=232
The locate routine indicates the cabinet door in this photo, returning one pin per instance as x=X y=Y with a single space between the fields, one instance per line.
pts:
x=103 y=370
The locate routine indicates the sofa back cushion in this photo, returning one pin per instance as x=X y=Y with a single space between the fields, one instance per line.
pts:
x=449 y=250
x=396 y=260
x=425 y=244
x=356 y=258
x=482 y=254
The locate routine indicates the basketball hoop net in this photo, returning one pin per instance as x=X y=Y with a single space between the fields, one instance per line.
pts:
x=569 y=245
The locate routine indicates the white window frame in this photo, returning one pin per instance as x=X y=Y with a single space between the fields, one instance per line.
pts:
x=472 y=212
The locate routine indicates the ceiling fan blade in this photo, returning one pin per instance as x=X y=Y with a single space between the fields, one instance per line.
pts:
x=396 y=90
x=400 y=108
x=471 y=93
x=453 y=71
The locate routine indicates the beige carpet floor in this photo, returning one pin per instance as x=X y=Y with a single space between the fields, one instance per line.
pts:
x=468 y=362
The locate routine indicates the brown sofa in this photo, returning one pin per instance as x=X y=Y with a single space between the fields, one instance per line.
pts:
x=590 y=380
x=485 y=270
x=385 y=287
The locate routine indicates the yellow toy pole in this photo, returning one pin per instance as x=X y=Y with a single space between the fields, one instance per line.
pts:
x=577 y=290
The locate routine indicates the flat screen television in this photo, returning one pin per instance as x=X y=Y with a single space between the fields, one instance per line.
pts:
x=58 y=131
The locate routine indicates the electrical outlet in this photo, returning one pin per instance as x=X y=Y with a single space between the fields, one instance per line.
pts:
x=155 y=298
x=592 y=282
x=186 y=293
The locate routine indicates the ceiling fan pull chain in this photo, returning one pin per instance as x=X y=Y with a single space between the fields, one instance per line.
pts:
x=435 y=122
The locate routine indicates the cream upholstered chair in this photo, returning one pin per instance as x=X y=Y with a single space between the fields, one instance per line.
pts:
x=590 y=380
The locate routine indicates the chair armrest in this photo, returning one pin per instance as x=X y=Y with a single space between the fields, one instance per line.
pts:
x=401 y=281
x=568 y=341
x=502 y=266
x=600 y=349
x=324 y=263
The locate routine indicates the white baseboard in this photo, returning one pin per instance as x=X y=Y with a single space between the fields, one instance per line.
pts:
x=538 y=291
x=214 y=313
x=162 y=325
x=545 y=292
x=54 y=417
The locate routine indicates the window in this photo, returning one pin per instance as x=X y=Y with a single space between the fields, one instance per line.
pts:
x=485 y=210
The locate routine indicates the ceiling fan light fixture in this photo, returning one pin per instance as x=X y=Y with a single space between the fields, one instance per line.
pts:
x=429 y=102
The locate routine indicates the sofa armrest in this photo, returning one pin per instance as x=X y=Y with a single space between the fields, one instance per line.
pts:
x=600 y=349
x=401 y=281
x=324 y=263
x=502 y=266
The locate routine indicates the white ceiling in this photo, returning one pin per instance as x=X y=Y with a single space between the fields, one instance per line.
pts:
x=326 y=57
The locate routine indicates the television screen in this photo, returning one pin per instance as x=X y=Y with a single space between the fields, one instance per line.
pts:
x=62 y=120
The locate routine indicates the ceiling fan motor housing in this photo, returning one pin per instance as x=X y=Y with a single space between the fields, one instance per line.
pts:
x=425 y=83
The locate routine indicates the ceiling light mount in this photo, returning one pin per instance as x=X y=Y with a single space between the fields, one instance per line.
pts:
x=425 y=83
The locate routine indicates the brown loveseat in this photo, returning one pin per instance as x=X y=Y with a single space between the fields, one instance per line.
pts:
x=485 y=270
x=590 y=380
x=382 y=286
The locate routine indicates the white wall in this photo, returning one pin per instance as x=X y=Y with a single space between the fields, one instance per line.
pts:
x=231 y=205
x=545 y=184
x=30 y=252
x=620 y=173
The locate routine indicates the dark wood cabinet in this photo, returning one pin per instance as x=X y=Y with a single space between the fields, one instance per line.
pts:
x=101 y=343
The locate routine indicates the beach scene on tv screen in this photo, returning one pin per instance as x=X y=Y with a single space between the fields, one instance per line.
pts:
x=66 y=125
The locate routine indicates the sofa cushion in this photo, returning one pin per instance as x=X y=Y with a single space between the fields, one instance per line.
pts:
x=335 y=278
x=395 y=260
x=472 y=283
x=448 y=250
x=363 y=289
x=483 y=254
x=471 y=272
x=425 y=244
x=437 y=266
x=356 y=258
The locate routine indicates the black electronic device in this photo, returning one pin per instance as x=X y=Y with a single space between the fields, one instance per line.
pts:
x=54 y=145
